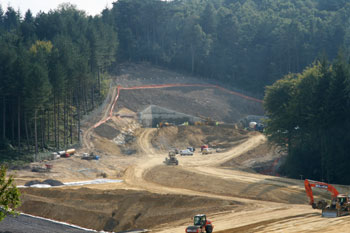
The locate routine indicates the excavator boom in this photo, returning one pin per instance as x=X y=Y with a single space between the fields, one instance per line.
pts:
x=327 y=211
x=309 y=184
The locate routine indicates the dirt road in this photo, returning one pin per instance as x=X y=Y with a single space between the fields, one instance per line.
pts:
x=161 y=197
x=278 y=215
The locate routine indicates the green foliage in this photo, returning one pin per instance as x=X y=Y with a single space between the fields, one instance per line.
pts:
x=9 y=195
x=246 y=44
x=52 y=65
x=308 y=115
x=50 y=68
x=105 y=84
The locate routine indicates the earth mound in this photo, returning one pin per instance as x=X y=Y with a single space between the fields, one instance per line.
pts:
x=183 y=136
x=50 y=182
x=117 y=210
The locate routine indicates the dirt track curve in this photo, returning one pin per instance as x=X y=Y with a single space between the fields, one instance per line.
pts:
x=269 y=204
x=256 y=216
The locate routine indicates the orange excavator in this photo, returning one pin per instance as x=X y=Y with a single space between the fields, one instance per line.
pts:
x=340 y=203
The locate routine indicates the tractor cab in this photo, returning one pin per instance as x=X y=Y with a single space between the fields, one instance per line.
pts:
x=342 y=200
x=201 y=225
x=200 y=220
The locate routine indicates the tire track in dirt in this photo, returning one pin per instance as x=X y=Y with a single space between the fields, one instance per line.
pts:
x=255 y=215
x=135 y=175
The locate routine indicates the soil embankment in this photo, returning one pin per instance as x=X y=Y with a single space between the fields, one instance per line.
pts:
x=117 y=210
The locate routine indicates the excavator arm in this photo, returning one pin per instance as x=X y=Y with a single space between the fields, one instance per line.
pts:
x=309 y=184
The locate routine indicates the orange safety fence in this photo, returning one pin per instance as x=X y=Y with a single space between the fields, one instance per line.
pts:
x=110 y=111
x=167 y=86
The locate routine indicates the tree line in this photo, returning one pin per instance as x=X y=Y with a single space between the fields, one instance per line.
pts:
x=309 y=116
x=244 y=43
x=52 y=64
x=51 y=68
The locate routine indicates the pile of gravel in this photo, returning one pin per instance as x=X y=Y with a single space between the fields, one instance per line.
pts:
x=48 y=182
x=32 y=182
x=53 y=182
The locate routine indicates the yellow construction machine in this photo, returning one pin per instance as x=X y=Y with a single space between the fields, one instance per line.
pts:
x=339 y=205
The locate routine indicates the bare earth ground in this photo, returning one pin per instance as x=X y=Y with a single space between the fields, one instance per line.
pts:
x=163 y=198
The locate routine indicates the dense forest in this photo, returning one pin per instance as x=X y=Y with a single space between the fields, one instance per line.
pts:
x=53 y=66
x=245 y=43
x=309 y=116
x=51 y=69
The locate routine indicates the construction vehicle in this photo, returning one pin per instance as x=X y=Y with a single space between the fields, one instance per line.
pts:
x=207 y=120
x=186 y=152
x=256 y=126
x=339 y=205
x=192 y=149
x=66 y=153
x=200 y=225
x=70 y=152
x=176 y=151
x=165 y=124
x=62 y=153
x=172 y=160
x=204 y=146
x=207 y=151
x=90 y=156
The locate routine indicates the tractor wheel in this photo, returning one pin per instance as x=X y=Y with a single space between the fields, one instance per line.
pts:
x=208 y=229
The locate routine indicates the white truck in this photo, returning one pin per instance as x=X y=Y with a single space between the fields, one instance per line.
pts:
x=186 y=152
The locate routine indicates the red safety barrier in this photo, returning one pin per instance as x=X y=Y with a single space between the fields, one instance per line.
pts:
x=166 y=86
x=193 y=85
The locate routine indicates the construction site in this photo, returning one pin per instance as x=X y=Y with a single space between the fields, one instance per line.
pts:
x=179 y=147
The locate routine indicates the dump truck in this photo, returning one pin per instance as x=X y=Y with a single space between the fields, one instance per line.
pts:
x=204 y=146
x=90 y=156
x=339 y=205
x=200 y=225
x=172 y=160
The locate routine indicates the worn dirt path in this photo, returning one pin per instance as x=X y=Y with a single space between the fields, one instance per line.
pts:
x=86 y=137
x=258 y=216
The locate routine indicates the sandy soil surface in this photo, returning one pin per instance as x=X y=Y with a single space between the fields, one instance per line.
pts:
x=196 y=136
x=195 y=101
x=163 y=198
